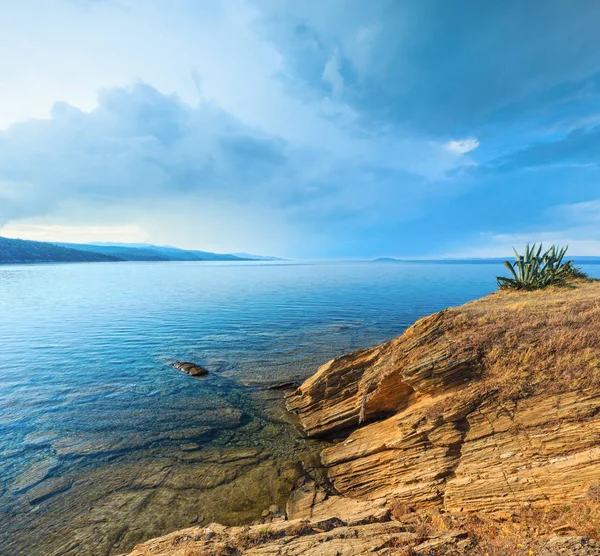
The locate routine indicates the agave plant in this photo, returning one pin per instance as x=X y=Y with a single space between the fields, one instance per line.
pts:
x=536 y=269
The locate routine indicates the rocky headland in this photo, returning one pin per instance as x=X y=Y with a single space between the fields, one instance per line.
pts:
x=477 y=431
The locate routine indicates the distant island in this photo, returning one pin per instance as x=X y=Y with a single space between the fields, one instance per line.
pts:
x=581 y=259
x=387 y=260
x=19 y=251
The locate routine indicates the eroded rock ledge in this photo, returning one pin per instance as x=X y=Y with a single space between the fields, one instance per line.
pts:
x=492 y=406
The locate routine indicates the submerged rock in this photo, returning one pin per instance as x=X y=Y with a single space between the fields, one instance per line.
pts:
x=191 y=369
x=290 y=385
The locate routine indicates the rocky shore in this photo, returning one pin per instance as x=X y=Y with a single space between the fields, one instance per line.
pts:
x=477 y=431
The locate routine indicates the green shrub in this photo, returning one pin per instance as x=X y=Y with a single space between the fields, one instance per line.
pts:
x=535 y=270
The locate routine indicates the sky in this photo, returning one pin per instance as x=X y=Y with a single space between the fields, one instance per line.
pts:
x=337 y=129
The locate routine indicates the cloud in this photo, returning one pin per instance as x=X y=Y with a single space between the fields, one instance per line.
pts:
x=321 y=129
x=141 y=152
x=578 y=148
x=572 y=224
x=84 y=234
x=332 y=75
x=501 y=245
x=584 y=215
x=137 y=143
x=462 y=146
x=441 y=67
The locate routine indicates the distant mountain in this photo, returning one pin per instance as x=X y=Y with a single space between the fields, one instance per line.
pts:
x=386 y=260
x=257 y=257
x=120 y=252
x=147 y=252
x=24 y=251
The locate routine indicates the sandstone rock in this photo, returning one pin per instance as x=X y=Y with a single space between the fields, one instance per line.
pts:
x=303 y=499
x=433 y=432
x=441 y=544
x=48 y=488
x=283 y=538
x=492 y=407
x=283 y=386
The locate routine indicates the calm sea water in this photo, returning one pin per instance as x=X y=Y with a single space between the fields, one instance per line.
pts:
x=87 y=393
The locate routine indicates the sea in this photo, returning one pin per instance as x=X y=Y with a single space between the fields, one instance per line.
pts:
x=103 y=444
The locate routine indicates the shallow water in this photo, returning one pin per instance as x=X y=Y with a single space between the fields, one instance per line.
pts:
x=103 y=444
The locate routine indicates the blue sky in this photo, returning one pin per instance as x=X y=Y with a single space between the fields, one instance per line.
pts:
x=343 y=128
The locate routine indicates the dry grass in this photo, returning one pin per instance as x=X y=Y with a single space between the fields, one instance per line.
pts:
x=529 y=342
x=521 y=533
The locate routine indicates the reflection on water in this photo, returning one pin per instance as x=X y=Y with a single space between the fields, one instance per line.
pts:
x=103 y=444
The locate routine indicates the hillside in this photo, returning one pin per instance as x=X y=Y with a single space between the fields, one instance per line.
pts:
x=26 y=251
x=14 y=251
x=143 y=252
x=477 y=431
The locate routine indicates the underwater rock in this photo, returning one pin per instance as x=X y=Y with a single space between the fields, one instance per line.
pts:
x=291 y=385
x=191 y=369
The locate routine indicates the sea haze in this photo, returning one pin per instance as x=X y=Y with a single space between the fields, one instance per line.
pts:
x=97 y=430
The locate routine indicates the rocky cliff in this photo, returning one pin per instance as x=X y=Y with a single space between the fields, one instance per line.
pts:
x=477 y=431
x=492 y=406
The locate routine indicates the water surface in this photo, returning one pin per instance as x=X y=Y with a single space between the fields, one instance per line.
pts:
x=103 y=444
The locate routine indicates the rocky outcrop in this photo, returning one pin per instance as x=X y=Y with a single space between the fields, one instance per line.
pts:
x=369 y=384
x=362 y=531
x=442 y=422
x=453 y=438
x=366 y=529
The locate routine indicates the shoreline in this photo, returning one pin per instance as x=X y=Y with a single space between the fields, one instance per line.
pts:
x=420 y=421
x=114 y=502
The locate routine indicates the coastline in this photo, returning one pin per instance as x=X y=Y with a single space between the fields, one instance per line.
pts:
x=228 y=470
x=431 y=424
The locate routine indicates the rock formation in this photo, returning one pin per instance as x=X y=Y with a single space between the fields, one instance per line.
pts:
x=492 y=406
x=490 y=410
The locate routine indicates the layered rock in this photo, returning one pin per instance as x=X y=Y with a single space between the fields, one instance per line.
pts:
x=366 y=529
x=363 y=531
x=489 y=411
x=443 y=423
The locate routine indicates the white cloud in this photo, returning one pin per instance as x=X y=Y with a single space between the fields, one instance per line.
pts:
x=332 y=75
x=584 y=213
x=462 y=146
x=581 y=241
x=82 y=234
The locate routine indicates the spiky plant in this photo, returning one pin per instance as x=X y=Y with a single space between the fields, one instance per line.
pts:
x=536 y=269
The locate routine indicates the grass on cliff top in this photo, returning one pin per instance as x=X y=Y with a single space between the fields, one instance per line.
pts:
x=521 y=533
x=532 y=341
